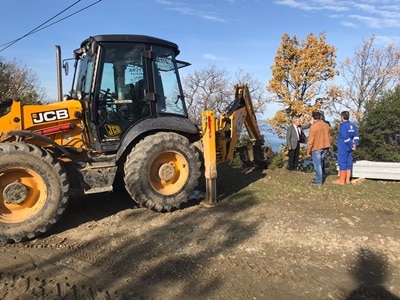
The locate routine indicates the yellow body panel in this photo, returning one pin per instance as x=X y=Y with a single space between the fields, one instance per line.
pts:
x=228 y=127
x=209 y=144
x=60 y=121
x=210 y=155
x=219 y=136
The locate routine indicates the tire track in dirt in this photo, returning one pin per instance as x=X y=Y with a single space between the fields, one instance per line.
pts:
x=34 y=287
x=77 y=258
x=85 y=253
x=244 y=248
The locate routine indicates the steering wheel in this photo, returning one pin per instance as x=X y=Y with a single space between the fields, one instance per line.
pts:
x=105 y=95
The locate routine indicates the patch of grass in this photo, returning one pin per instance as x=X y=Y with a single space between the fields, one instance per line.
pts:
x=281 y=185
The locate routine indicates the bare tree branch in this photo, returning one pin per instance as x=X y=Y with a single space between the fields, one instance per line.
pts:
x=366 y=76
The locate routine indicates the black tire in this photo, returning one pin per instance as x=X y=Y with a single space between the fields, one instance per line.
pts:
x=33 y=191
x=162 y=171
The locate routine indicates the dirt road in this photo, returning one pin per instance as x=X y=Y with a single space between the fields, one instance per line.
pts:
x=271 y=237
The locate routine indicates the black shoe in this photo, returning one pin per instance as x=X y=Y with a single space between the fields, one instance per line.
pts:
x=313 y=182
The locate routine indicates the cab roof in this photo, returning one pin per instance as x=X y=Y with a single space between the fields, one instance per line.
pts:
x=131 y=38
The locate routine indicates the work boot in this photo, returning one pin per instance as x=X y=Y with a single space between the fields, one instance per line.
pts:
x=348 y=177
x=342 y=178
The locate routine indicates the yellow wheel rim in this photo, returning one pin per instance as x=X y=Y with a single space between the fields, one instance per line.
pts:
x=169 y=173
x=23 y=194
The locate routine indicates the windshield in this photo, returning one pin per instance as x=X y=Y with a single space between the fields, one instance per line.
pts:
x=123 y=83
x=168 y=86
x=121 y=99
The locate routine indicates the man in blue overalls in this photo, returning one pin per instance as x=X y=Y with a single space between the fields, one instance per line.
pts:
x=347 y=141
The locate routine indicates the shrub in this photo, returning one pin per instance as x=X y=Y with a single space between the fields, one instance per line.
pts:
x=380 y=129
x=278 y=161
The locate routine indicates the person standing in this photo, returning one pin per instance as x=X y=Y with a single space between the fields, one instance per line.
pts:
x=293 y=140
x=329 y=124
x=347 y=141
x=319 y=142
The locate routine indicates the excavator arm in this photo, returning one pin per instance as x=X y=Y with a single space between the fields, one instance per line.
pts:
x=220 y=135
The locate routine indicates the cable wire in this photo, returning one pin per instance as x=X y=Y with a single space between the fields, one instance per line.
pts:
x=42 y=26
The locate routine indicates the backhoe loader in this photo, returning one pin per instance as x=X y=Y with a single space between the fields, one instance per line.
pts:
x=124 y=115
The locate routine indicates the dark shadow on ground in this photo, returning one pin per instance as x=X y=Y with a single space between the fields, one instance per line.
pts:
x=98 y=206
x=370 y=272
x=232 y=179
x=156 y=254
x=92 y=208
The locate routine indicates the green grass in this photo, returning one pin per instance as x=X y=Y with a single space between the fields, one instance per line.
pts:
x=280 y=185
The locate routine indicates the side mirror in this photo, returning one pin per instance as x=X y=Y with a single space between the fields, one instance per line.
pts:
x=66 y=68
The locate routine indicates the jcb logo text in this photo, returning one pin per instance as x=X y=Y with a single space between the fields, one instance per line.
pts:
x=51 y=115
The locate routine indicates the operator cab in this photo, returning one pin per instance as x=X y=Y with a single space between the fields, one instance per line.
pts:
x=124 y=79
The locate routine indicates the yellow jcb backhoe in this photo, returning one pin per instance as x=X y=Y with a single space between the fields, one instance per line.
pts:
x=125 y=115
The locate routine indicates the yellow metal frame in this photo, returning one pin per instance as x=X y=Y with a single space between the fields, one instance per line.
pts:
x=219 y=136
x=45 y=120
x=210 y=155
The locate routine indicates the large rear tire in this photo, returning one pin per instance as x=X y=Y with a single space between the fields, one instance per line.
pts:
x=33 y=191
x=162 y=171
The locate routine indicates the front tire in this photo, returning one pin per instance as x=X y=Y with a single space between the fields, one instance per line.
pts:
x=162 y=171
x=33 y=191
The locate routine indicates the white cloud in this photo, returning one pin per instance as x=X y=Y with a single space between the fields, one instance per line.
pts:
x=213 y=57
x=206 y=14
x=213 y=18
x=348 y=24
x=314 y=5
x=358 y=13
x=376 y=22
x=386 y=40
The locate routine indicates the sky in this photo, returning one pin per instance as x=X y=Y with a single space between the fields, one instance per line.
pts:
x=233 y=35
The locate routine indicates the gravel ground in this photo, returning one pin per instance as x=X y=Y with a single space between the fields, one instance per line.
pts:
x=271 y=236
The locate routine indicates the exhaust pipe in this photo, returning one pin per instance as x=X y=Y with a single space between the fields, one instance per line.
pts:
x=59 y=76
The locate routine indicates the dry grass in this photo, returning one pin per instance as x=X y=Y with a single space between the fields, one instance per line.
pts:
x=280 y=185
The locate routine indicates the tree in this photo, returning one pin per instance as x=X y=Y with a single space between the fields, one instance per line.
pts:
x=256 y=89
x=365 y=76
x=206 y=89
x=380 y=129
x=299 y=78
x=210 y=89
x=17 y=81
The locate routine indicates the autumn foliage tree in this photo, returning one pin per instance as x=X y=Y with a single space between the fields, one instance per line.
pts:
x=299 y=78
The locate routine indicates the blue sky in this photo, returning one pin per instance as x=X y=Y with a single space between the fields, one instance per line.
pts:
x=232 y=34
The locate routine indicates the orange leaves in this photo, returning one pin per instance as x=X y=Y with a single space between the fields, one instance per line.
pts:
x=299 y=75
